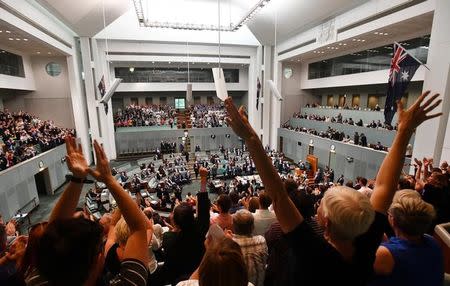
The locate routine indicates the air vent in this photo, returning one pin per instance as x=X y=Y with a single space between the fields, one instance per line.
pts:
x=175 y=55
x=297 y=46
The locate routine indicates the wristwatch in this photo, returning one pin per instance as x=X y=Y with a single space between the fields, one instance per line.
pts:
x=71 y=178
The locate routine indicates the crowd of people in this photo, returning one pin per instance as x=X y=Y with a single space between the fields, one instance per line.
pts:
x=291 y=233
x=146 y=115
x=345 y=106
x=333 y=134
x=338 y=119
x=206 y=116
x=23 y=136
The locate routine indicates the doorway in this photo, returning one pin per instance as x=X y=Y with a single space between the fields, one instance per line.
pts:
x=42 y=180
x=330 y=100
x=356 y=100
x=342 y=98
x=373 y=100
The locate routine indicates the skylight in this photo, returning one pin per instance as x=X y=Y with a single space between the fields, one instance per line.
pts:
x=197 y=14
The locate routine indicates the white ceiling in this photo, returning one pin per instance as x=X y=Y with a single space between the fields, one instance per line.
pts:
x=18 y=40
x=408 y=29
x=295 y=16
x=85 y=17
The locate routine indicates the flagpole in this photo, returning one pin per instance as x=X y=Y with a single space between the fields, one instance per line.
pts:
x=406 y=51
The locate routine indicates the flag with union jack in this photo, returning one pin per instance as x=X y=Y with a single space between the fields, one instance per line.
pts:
x=403 y=68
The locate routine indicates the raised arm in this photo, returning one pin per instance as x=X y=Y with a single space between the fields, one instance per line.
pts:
x=286 y=212
x=66 y=205
x=137 y=241
x=389 y=173
x=203 y=203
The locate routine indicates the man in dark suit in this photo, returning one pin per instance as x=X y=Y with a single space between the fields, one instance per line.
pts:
x=363 y=140
x=356 y=138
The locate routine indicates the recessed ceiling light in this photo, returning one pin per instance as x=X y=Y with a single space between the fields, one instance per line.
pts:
x=363 y=40
x=208 y=63
x=328 y=47
x=49 y=53
x=10 y=39
x=1 y=31
x=17 y=39
x=25 y=39
x=386 y=34
x=9 y=32
x=358 y=40
x=322 y=52
x=38 y=53
x=344 y=44
x=169 y=63
x=298 y=60
x=340 y=44
x=376 y=33
x=353 y=40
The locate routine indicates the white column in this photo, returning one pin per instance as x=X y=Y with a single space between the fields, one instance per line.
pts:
x=79 y=106
x=430 y=138
x=276 y=106
x=90 y=86
x=267 y=96
x=102 y=67
x=254 y=72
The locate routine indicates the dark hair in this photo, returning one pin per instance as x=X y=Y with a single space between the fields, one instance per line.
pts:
x=68 y=250
x=29 y=259
x=349 y=184
x=303 y=202
x=223 y=264
x=224 y=202
x=3 y=237
x=290 y=185
x=183 y=216
x=264 y=200
x=363 y=181
x=234 y=196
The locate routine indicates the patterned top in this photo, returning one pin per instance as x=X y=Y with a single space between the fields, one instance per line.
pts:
x=255 y=254
x=195 y=283
x=132 y=272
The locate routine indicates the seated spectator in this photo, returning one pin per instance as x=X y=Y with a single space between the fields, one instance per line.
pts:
x=411 y=257
x=263 y=217
x=253 y=248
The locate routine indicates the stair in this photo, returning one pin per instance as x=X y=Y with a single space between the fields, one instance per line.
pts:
x=184 y=116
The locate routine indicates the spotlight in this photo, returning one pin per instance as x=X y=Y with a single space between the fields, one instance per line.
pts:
x=131 y=69
x=213 y=136
x=227 y=135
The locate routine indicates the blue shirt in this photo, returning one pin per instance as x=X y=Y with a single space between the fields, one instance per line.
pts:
x=415 y=264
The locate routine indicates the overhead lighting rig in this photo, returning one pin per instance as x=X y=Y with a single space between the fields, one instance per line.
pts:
x=145 y=22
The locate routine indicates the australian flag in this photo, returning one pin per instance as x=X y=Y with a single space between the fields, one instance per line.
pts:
x=403 y=68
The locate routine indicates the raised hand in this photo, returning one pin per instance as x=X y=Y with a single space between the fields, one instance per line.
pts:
x=418 y=162
x=75 y=159
x=102 y=170
x=203 y=172
x=409 y=120
x=238 y=121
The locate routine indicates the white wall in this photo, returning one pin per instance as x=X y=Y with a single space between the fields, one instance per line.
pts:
x=294 y=96
x=51 y=98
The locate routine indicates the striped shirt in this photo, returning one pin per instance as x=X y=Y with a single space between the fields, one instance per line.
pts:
x=132 y=273
x=255 y=253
